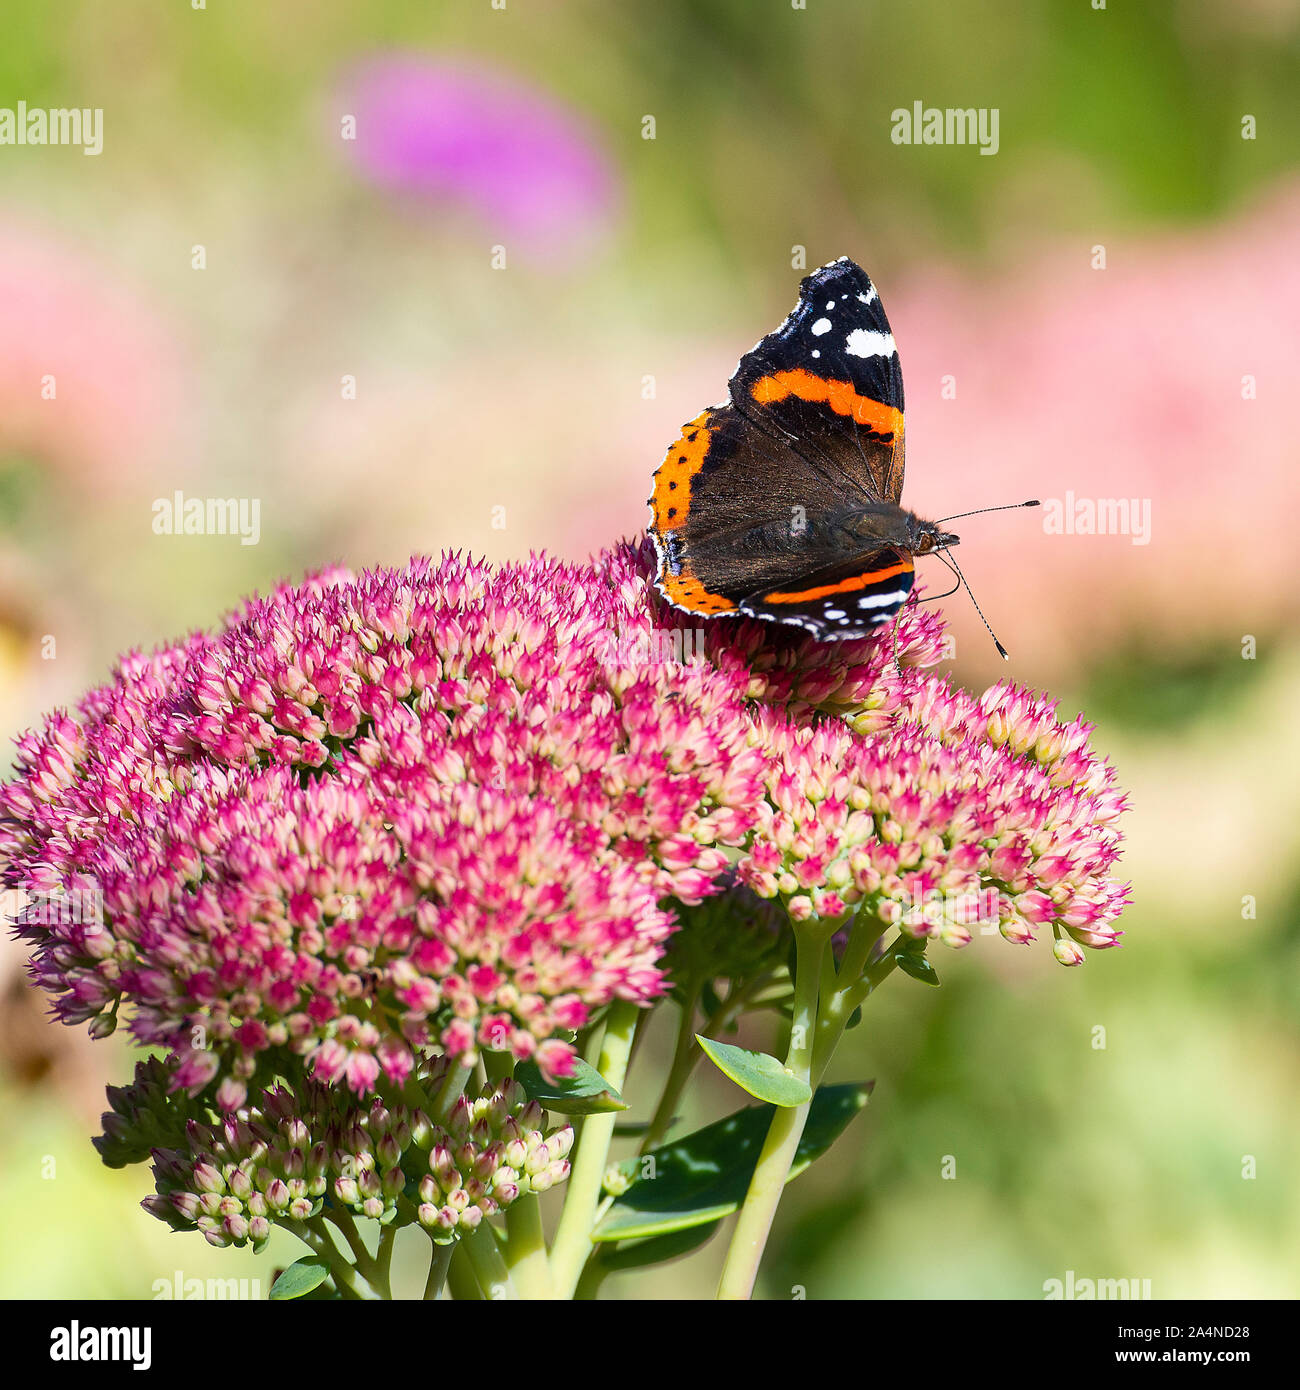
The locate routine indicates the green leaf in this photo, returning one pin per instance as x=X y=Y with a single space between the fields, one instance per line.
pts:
x=300 y=1278
x=763 y=1076
x=704 y=1176
x=658 y=1249
x=915 y=964
x=586 y=1092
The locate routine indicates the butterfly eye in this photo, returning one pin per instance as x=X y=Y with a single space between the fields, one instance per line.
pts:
x=925 y=544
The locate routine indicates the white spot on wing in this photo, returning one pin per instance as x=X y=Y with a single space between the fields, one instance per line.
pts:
x=821 y=326
x=866 y=342
x=880 y=600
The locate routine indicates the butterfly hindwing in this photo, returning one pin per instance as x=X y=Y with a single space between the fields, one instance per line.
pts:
x=727 y=504
x=849 y=599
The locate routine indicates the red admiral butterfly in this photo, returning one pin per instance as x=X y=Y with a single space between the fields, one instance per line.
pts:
x=782 y=503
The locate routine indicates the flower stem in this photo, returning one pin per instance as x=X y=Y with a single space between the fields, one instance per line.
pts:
x=852 y=987
x=450 y=1091
x=525 y=1250
x=490 y=1270
x=350 y=1282
x=498 y=1065
x=384 y=1259
x=439 y=1264
x=594 y=1274
x=686 y=1053
x=572 y=1244
x=461 y=1283
x=863 y=935
x=362 y=1257
x=768 y=1183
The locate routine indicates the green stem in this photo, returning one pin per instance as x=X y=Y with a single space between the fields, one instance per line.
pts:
x=863 y=935
x=439 y=1264
x=639 y=1033
x=384 y=1258
x=768 y=1183
x=449 y=1091
x=594 y=1274
x=490 y=1270
x=415 y=1096
x=826 y=976
x=525 y=1251
x=838 y=1009
x=362 y=1257
x=686 y=1053
x=572 y=1242
x=525 y=1246
x=315 y=1235
x=461 y=1282
x=498 y=1065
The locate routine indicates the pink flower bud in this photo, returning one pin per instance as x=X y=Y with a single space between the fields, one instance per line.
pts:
x=1067 y=952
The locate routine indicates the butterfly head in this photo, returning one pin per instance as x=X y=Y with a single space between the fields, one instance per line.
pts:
x=925 y=537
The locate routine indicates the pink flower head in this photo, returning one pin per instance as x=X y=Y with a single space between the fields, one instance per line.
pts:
x=427 y=809
x=375 y=820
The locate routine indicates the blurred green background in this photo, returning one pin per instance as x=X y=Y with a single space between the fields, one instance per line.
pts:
x=529 y=296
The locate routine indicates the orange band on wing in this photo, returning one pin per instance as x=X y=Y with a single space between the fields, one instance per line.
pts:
x=672 y=494
x=839 y=395
x=845 y=586
x=688 y=592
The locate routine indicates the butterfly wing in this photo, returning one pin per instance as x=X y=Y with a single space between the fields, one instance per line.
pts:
x=732 y=510
x=828 y=383
x=849 y=599
x=755 y=493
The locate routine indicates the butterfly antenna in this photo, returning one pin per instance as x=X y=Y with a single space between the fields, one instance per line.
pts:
x=1009 y=507
x=1002 y=651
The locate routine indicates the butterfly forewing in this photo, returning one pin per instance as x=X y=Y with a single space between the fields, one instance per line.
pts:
x=829 y=381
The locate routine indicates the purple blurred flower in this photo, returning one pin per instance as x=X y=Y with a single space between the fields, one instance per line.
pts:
x=527 y=165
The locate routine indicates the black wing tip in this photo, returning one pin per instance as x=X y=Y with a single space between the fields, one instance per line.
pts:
x=841 y=265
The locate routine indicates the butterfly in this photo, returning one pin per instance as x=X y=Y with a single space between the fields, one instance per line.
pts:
x=782 y=503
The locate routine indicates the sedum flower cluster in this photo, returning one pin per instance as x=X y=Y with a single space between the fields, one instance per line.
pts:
x=380 y=822
x=278 y=1159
